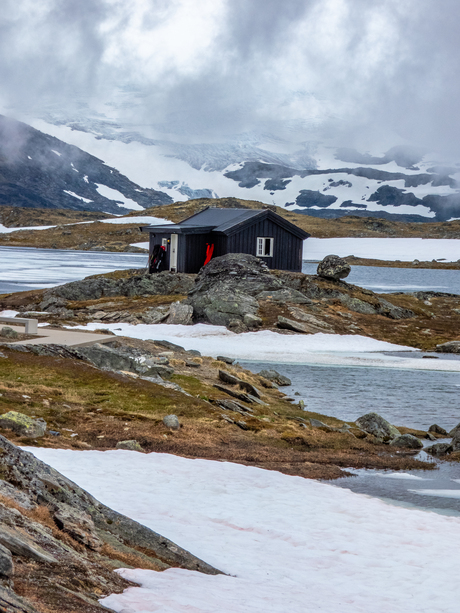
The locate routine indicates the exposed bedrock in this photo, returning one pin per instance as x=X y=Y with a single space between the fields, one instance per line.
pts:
x=139 y=284
x=40 y=484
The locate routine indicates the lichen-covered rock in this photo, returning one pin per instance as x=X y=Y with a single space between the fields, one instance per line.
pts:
x=311 y=326
x=7 y=332
x=131 y=445
x=333 y=267
x=285 y=296
x=23 y=424
x=252 y=321
x=172 y=422
x=375 y=424
x=139 y=284
x=111 y=359
x=78 y=525
x=407 y=441
x=39 y=482
x=438 y=448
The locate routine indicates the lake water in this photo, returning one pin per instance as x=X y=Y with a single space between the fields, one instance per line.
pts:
x=409 y=398
x=388 y=280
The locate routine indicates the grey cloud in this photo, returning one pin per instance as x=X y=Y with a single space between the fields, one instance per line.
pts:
x=383 y=66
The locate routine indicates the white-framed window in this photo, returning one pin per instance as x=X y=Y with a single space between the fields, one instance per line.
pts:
x=264 y=247
x=164 y=243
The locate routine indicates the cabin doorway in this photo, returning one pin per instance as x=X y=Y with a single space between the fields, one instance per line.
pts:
x=173 y=253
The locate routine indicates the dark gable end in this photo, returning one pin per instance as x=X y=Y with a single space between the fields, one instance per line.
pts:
x=236 y=226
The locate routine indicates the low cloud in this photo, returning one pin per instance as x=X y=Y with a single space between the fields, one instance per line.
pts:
x=352 y=69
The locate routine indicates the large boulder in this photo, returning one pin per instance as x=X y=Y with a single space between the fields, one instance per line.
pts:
x=375 y=424
x=333 y=267
x=226 y=289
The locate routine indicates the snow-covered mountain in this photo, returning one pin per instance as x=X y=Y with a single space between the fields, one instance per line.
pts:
x=40 y=171
x=311 y=177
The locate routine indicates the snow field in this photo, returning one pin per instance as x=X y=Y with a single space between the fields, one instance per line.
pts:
x=289 y=544
x=264 y=346
x=404 y=249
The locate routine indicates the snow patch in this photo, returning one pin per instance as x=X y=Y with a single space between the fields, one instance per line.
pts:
x=113 y=194
x=142 y=219
x=66 y=191
x=286 y=543
x=404 y=249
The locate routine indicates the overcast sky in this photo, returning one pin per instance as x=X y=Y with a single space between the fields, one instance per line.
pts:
x=357 y=69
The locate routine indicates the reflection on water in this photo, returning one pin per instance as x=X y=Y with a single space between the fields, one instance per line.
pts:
x=388 y=280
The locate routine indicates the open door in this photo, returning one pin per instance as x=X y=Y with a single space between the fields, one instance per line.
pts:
x=173 y=253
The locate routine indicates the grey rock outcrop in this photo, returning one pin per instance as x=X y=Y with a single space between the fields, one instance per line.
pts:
x=285 y=295
x=375 y=424
x=180 y=314
x=23 y=424
x=311 y=325
x=6 y=562
x=111 y=359
x=138 y=284
x=38 y=482
x=407 y=441
x=450 y=347
x=333 y=267
x=226 y=289
x=275 y=377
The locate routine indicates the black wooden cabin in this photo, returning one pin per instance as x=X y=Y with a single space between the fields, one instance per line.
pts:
x=214 y=231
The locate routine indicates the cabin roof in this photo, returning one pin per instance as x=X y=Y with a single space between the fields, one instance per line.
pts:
x=224 y=221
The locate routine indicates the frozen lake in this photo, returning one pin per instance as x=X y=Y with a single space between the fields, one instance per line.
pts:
x=24 y=269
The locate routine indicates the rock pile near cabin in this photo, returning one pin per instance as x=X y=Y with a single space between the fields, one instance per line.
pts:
x=60 y=545
x=225 y=291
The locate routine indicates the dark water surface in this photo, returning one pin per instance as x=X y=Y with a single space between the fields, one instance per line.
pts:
x=411 y=398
